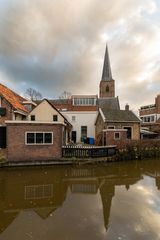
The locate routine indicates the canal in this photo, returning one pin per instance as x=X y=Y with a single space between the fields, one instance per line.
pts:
x=114 y=201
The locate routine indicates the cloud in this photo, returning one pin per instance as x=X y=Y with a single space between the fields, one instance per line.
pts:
x=58 y=45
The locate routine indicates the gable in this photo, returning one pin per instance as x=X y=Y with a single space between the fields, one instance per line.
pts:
x=44 y=112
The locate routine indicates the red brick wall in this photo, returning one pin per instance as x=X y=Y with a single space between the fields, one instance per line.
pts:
x=8 y=115
x=102 y=88
x=154 y=110
x=147 y=111
x=157 y=101
x=18 y=151
x=110 y=137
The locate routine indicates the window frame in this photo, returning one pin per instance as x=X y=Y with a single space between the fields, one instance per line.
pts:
x=34 y=132
x=33 y=115
x=55 y=116
x=117 y=138
x=73 y=118
x=110 y=127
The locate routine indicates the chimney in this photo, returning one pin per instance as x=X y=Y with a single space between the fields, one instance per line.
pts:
x=127 y=107
x=157 y=102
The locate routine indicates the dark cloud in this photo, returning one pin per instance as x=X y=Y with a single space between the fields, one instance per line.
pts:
x=57 y=45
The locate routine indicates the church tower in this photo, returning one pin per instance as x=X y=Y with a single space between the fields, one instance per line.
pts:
x=107 y=84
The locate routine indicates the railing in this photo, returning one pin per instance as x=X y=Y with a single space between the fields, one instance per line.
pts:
x=88 y=151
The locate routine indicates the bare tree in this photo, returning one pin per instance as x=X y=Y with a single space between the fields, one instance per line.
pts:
x=33 y=94
x=65 y=95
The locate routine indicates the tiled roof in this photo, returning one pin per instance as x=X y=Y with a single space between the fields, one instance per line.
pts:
x=66 y=105
x=109 y=103
x=119 y=116
x=13 y=98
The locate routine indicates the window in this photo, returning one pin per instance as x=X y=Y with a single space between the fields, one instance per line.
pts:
x=148 y=118
x=111 y=127
x=85 y=101
x=48 y=137
x=107 y=88
x=30 y=138
x=38 y=191
x=33 y=118
x=74 y=118
x=129 y=132
x=55 y=118
x=116 y=135
x=38 y=138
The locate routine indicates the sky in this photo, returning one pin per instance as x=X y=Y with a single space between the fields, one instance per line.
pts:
x=59 y=45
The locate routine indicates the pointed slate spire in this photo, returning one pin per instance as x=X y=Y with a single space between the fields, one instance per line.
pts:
x=106 y=74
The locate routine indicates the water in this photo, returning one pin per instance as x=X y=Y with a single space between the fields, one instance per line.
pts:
x=116 y=201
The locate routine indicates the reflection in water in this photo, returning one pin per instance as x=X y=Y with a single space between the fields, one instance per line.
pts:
x=116 y=201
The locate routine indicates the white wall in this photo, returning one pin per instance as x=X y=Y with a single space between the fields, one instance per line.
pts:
x=82 y=119
x=44 y=112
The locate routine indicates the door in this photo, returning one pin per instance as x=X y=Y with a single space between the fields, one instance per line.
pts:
x=74 y=136
x=2 y=137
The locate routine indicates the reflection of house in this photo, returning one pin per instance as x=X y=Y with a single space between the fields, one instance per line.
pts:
x=150 y=116
x=116 y=126
x=45 y=190
x=30 y=189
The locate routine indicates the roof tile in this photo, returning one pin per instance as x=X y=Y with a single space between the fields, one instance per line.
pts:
x=13 y=98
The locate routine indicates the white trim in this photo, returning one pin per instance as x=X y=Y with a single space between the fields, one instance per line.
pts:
x=115 y=129
x=34 y=122
x=21 y=112
x=35 y=144
x=29 y=102
x=102 y=115
x=78 y=112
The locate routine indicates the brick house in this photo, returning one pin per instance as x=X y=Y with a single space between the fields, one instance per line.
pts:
x=12 y=107
x=116 y=127
x=30 y=141
x=40 y=136
x=150 y=116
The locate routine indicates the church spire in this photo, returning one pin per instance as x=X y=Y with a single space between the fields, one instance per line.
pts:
x=106 y=74
x=107 y=84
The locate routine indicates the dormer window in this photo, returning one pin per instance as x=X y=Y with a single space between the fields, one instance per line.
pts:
x=55 y=118
x=33 y=118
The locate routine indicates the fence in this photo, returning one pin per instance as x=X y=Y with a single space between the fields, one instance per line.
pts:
x=88 y=151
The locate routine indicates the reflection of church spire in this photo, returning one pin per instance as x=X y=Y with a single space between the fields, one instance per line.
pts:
x=106 y=192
